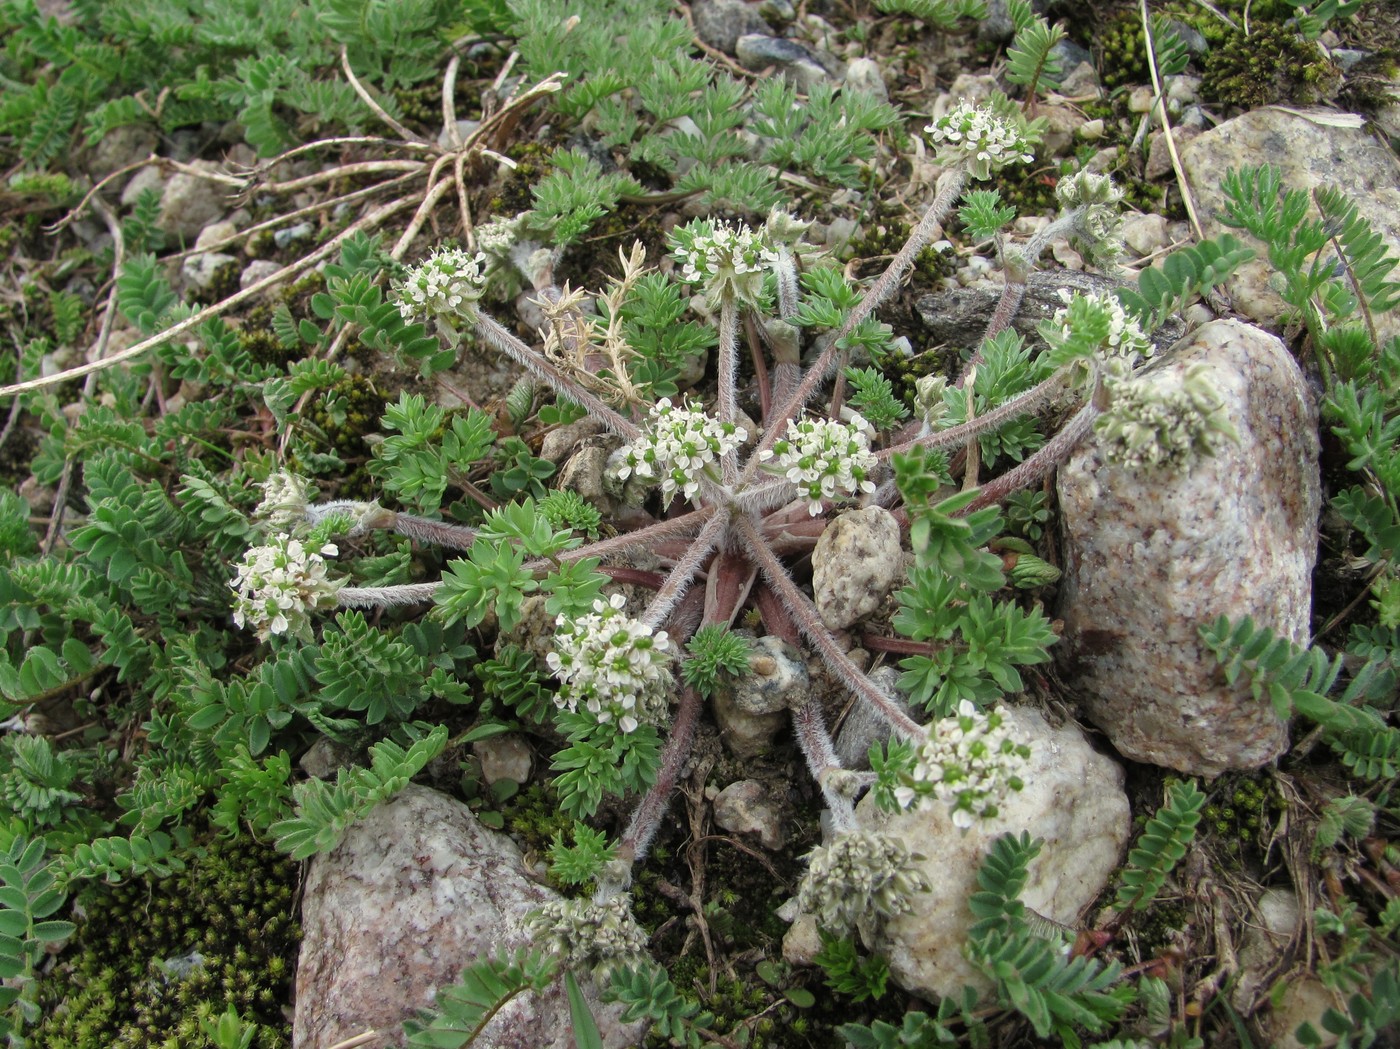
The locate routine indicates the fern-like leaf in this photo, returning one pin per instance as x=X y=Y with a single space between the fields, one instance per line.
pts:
x=1163 y=843
x=465 y=1008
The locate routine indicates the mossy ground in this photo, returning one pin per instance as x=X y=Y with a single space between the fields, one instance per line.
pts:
x=152 y=957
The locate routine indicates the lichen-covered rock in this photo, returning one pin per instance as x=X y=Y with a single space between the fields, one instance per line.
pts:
x=1073 y=800
x=417 y=891
x=1309 y=153
x=855 y=563
x=799 y=64
x=1152 y=554
x=720 y=23
x=751 y=708
x=189 y=203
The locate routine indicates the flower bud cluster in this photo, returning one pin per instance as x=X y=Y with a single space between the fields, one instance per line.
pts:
x=826 y=459
x=1149 y=424
x=1098 y=227
x=683 y=445
x=612 y=664
x=968 y=763
x=859 y=875
x=279 y=584
x=445 y=287
x=592 y=936
x=284 y=502
x=723 y=260
x=982 y=139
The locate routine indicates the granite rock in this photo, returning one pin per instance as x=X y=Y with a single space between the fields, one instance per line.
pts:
x=415 y=892
x=1151 y=555
x=1073 y=800
x=747 y=807
x=1309 y=153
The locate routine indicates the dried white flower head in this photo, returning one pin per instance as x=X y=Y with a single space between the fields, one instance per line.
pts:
x=723 y=260
x=1153 y=424
x=982 y=139
x=683 y=445
x=592 y=936
x=824 y=458
x=1099 y=227
x=615 y=666
x=279 y=584
x=859 y=875
x=284 y=501
x=445 y=287
x=968 y=763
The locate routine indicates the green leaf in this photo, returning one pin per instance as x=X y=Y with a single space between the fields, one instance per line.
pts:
x=586 y=1034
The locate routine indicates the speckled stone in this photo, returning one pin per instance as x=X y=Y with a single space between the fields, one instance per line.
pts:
x=752 y=708
x=1073 y=800
x=1151 y=555
x=855 y=563
x=417 y=891
x=1309 y=153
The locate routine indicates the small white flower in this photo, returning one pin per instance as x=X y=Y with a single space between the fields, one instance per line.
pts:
x=445 y=287
x=683 y=445
x=592 y=936
x=616 y=667
x=859 y=875
x=279 y=584
x=983 y=139
x=1126 y=340
x=968 y=763
x=826 y=459
x=723 y=259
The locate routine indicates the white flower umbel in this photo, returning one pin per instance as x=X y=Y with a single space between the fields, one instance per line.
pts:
x=723 y=260
x=824 y=458
x=279 y=584
x=1126 y=340
x=968 y=763
x=446 y=287
x=981 y=139
x=859 y=875
x=683 y=446
x=614 y=666
x=592 y=936
x=1151 y=424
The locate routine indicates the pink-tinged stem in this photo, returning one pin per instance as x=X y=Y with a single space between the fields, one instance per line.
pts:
x=646 y=818
x=805 y=617
x=760 y=368
x=883 y=287
x=653 y=533
x=442 y=533
x=684 y=572
x=498 y=338
x=1013 y=293
x=1031 y=401
x=820 y=752
x=1050 y=455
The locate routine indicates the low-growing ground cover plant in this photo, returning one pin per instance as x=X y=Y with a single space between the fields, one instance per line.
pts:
x=207 y=617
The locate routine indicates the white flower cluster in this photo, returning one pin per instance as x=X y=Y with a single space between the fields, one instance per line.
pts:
x=593 y=936
x=279 y=584
x=859 y=875
x=824 y=458
x=612 y=664
x=980 y=139
x=1149 y=424
x=1126 y=339
x=445 y=287
x=723 y=259
x=968 y=763
x=683 y=445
